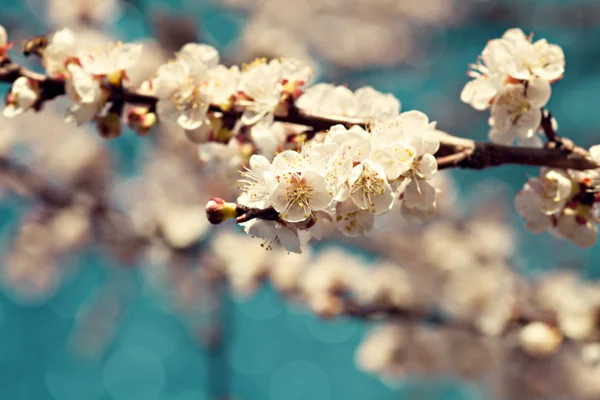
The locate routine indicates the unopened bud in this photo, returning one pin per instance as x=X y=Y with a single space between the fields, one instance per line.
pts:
x=539 y=339
x=141 y=120
x=109 y=126
x=217 y=210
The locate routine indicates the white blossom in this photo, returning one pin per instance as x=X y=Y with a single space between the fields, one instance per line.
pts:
x=539 y=339
x=221 y=85
x=61 y=47
x=273 y=233
x=529 y=60
x=3 y=36
x=262 y=85
x=258 y=182
x=580 y=230
x=365 y=102
x=86 y=95
x=298 y=195
x=23 y=95
x=370 y=189
x=181 y=98
x=110 y=59
x=516 y=112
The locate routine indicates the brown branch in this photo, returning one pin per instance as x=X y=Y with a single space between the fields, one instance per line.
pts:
x=464 y=153
x=454 y=152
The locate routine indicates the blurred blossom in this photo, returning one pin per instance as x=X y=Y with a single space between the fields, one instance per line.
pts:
x=348 y=33
x=67 y=13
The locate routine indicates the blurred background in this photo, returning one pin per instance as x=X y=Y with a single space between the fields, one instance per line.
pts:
x=84 y=318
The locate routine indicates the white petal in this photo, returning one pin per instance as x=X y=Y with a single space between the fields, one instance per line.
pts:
x=394 y=161
x=595 y=153
x=287 y=160
x=87 y=88
x=194 y=53
x=11 y=111
x=322 y=195
x=534 y=141
x=538 y=92
x=478 y=93
x=340 y=100
x=382 y=203
x=419 y=194
x=428 y=166
x=193 y=117
x=167 y=110
x=528 y=206
x=528 y=123
x=506 y=137
x=3 y=36
x=289 y=239
x=128 y=55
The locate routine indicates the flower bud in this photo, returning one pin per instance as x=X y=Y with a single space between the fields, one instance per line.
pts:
x=109 y=126
x=539 y=339
x=217 y=210
x=141 y=120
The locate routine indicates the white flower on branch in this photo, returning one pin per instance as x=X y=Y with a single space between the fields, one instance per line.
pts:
x=580 y=228
x=565 y=202
x=60 y=49
x=257 y=182
x=365 y=102
x=86 y=95
x=516 y=112
x=180 y=94
x=513 y=77
x=23 y=96
x=299 y=194
x=110 y=60
x=542 y=197
x=261 y=84
x=526 y=60
x=274 y=233
x=221 y=85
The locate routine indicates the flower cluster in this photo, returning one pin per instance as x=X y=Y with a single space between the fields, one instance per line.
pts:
x=345 y=180
x=88 y=73
x=512 y=78
x=563 y=201
x=366 y=102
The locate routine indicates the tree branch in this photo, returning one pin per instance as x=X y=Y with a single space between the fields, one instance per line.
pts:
x=454 y=152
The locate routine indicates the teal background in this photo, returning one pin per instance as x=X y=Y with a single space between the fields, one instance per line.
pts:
x=273 y=350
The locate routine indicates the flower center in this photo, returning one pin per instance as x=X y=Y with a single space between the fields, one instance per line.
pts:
x=298 y=192
x=370 y=184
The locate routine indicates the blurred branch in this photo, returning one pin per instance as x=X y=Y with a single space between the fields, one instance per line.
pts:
x=22 y=178
x=390 y=312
